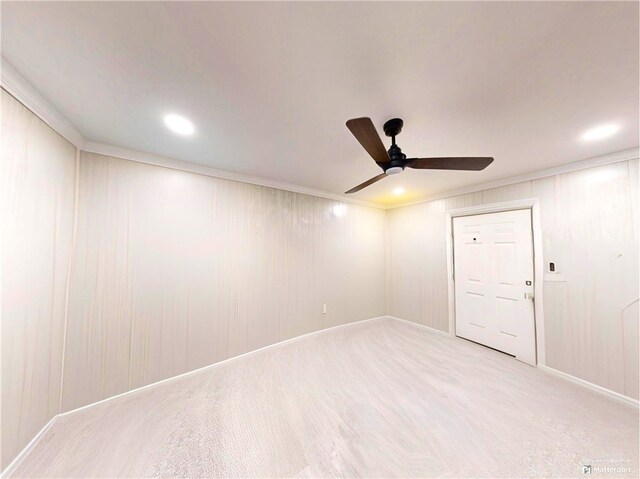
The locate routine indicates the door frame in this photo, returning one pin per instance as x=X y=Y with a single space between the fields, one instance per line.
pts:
x=532 y=204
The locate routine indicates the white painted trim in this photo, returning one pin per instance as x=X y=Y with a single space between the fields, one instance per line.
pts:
x=555 y=372
x=18 y=459
x=451 y=303
x=615 y=157
x=592 y=386
x=422 y=326
x=163 y=161
x=522 y=204
x=18 y=87
x=26 y=94
x=29 y=447
x=538 y=261
x=221 y=363
x=13 y=465
x=538 y=283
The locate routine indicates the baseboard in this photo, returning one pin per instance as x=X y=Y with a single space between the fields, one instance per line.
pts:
x=13 y=465
x=592 y=386
x=555 y=372
x=422 y=326
x=223 y=362
x=19 y=458
x=320 y=331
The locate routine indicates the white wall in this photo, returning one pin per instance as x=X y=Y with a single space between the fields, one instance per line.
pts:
x=37 y=176
x=173 y=271
x=589 y=229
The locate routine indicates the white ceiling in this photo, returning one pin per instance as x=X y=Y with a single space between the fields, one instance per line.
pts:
x=269 y=86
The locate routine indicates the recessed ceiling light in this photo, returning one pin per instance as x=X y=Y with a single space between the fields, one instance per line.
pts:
x=398 y=191
x=600 y=132
x=179 y=124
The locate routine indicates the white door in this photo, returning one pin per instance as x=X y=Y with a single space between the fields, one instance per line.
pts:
x=493 y=275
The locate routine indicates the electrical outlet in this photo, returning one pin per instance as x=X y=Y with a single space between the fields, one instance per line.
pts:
x=324 y=309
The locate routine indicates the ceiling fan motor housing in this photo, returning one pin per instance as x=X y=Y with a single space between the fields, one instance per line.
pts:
x=398 y=160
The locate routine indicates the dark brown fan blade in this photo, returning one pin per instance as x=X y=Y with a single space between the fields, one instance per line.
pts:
x=366 y=183
x=367 y=136
x=456 y=163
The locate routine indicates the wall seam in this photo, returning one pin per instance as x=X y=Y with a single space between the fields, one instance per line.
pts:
x=72 y=249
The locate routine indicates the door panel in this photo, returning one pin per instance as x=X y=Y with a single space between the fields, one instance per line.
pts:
x=493 y=260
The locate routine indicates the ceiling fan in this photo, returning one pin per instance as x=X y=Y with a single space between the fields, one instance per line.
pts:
x=394 y=161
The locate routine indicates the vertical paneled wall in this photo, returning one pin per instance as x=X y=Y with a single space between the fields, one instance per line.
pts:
x=589 y=229
x=173 y=271
x=37 y=183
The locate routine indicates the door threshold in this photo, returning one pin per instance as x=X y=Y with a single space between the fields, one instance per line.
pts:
x=488 y=347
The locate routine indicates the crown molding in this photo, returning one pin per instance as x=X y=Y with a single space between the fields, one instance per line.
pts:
x=165 y=162
x=20 y=88
x=609 y=158
x=23 y=91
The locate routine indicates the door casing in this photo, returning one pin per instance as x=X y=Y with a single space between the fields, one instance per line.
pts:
x=538 y=262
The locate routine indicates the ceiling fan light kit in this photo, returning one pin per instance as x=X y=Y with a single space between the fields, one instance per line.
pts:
x=394 y=161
